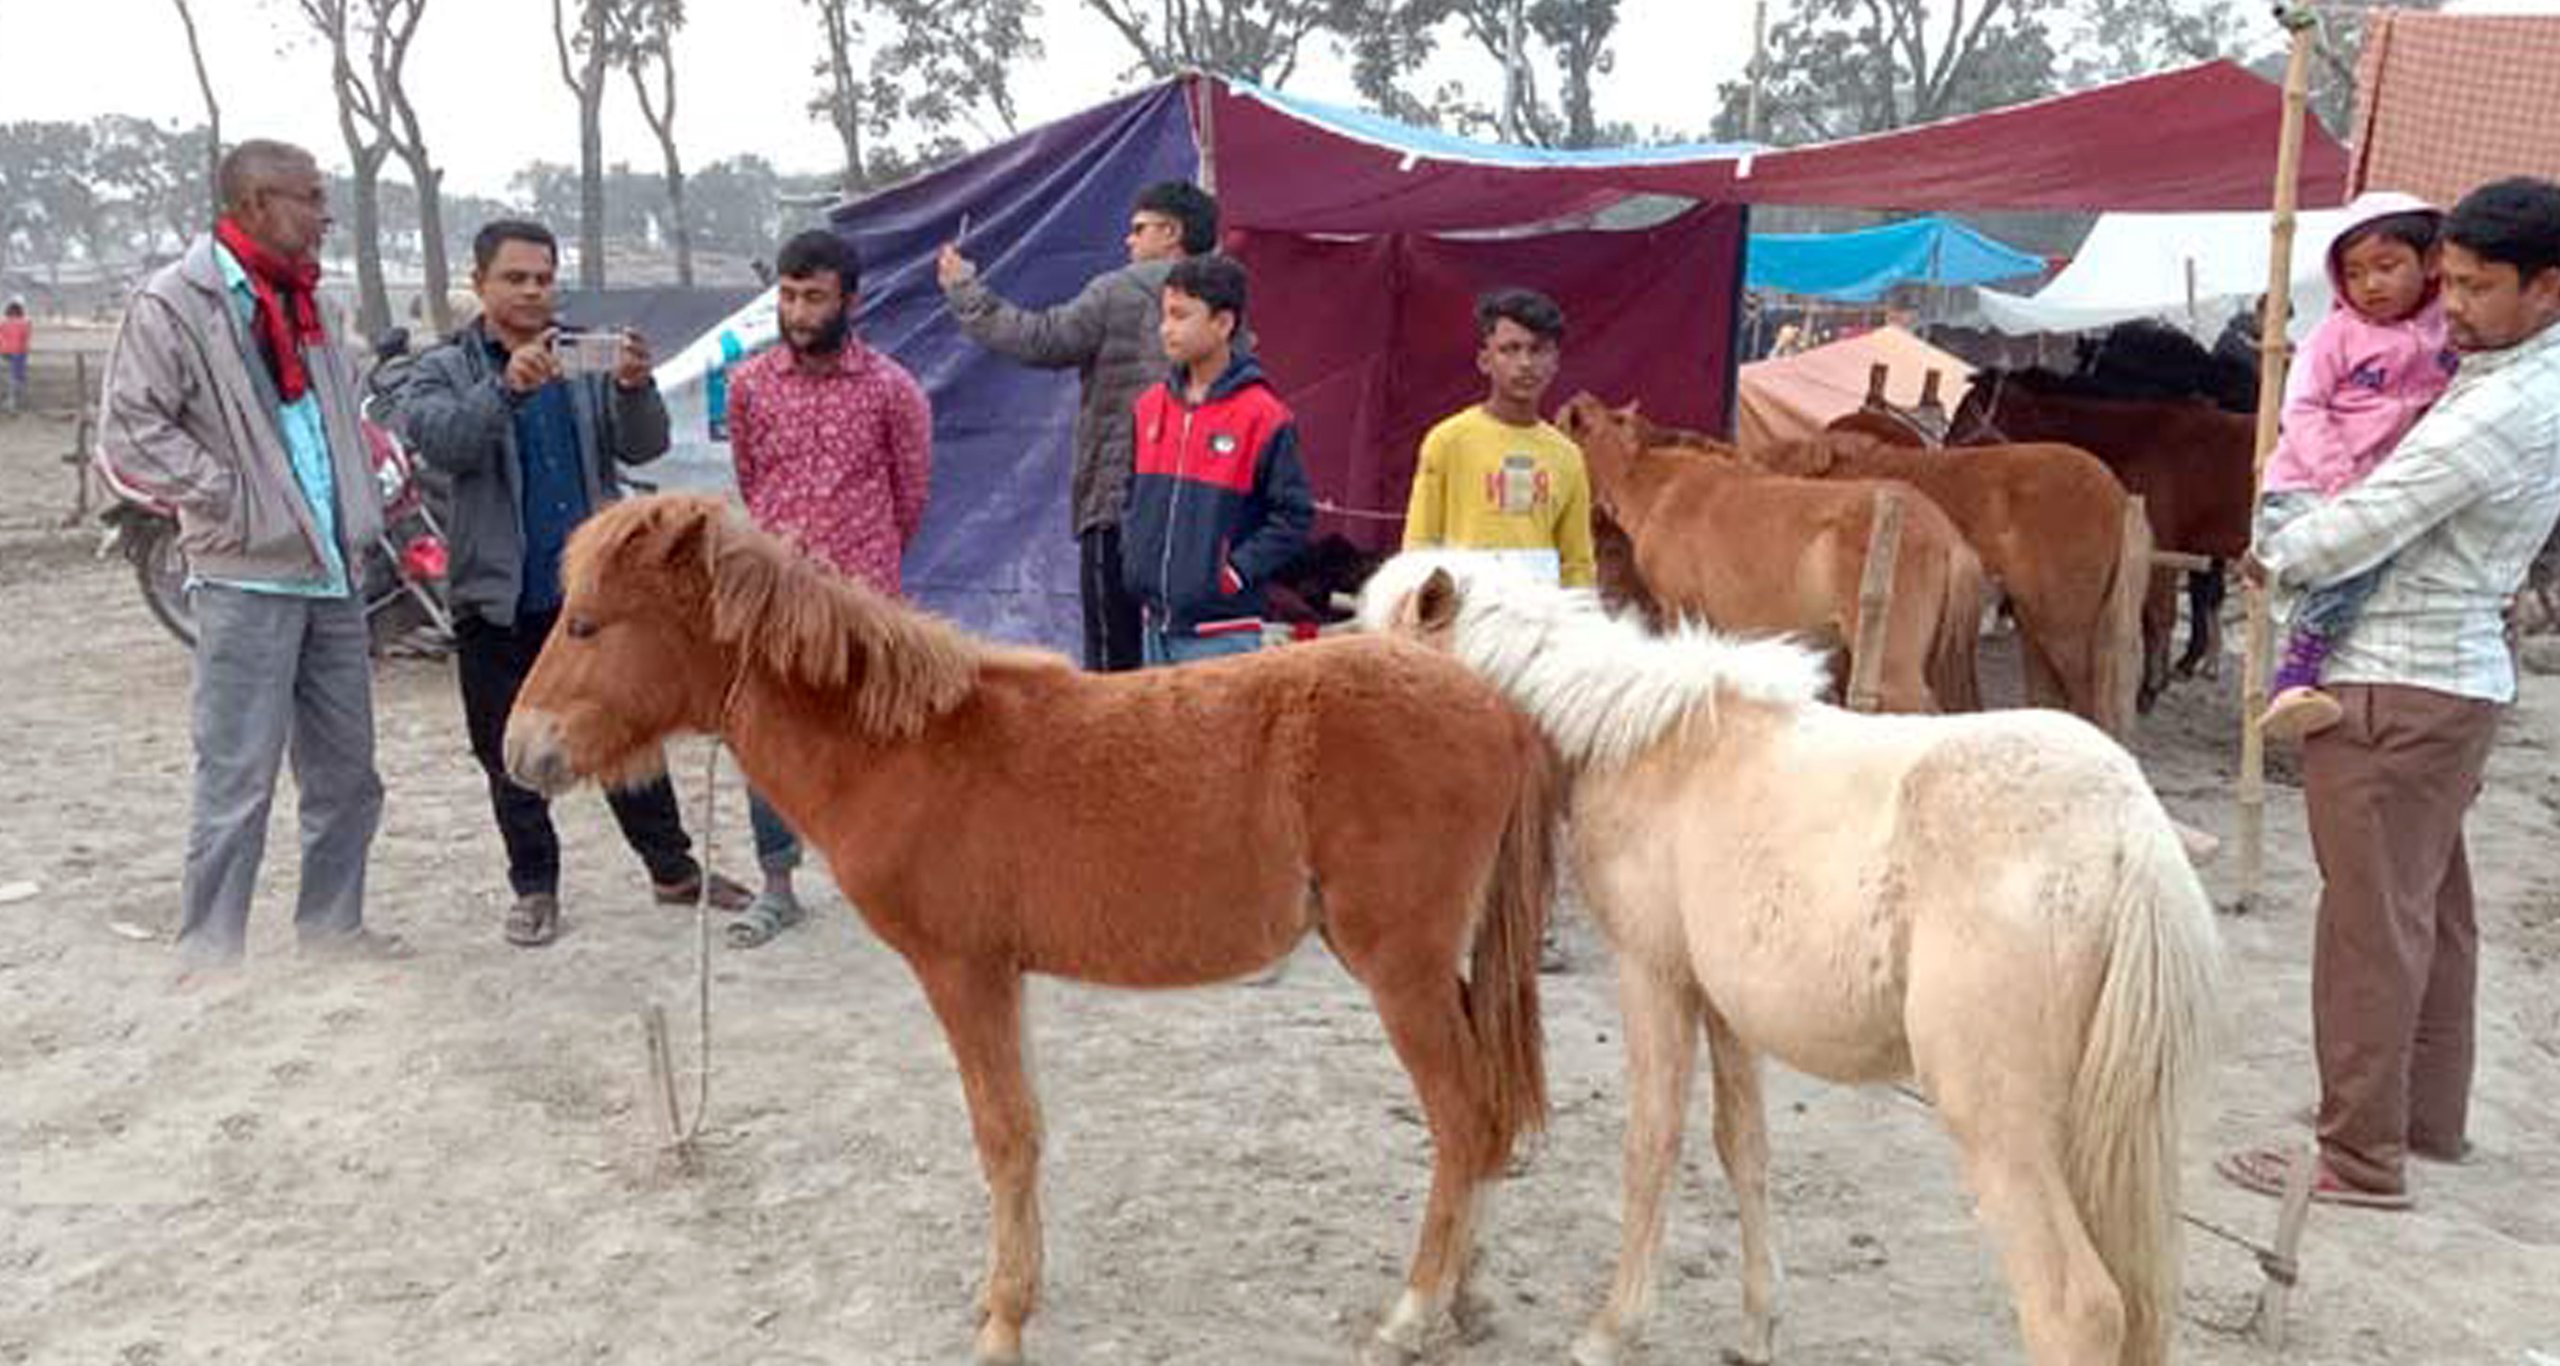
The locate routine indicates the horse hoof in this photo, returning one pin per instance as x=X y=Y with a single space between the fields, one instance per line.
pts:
x=1377 y=1351
x=999 y=1345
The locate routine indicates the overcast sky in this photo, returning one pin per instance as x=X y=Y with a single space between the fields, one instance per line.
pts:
x=488 y=88
x=490 y=97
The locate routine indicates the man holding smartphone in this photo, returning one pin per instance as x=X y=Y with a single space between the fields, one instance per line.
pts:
x=531 y=427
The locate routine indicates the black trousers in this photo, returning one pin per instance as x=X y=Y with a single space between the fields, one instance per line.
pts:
x=1112 y=643
x=493 y=661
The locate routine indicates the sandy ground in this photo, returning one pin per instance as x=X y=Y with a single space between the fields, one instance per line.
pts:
x=452 y=1161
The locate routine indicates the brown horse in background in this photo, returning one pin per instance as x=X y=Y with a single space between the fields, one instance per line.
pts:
x=995 y=812
x=2048 y=523
x=2190 y=461
x=1718 y=540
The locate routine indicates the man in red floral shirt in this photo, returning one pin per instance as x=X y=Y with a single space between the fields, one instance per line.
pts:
x=833 y=443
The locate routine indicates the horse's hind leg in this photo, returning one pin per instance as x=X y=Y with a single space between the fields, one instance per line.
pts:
x=1995 y=1097
x=1426 y=1022
x=1661 y=1007
x=981 y=1012
x=1742 y=1144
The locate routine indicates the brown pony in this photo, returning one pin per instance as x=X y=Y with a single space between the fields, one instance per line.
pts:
x=2048 y=523
x=995 y=812
x=1716 y=539
x=2190 y=461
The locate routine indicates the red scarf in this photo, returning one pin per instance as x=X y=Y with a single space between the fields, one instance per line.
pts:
x=288 y=313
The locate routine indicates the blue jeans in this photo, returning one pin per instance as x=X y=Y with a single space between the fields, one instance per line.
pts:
x=1181 y=647
x=17 y=381
x=777 y=849
x=2329 y=611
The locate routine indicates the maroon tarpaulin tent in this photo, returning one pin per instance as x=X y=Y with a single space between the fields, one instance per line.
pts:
x=1368 y=239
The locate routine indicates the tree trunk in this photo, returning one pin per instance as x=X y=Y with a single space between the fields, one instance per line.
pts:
x=373 y=298
x=439 y=277
x=679 y=227
x=591 y=189
x=212 y=110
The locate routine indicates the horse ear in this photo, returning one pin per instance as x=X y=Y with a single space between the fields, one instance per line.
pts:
x=1435 y=603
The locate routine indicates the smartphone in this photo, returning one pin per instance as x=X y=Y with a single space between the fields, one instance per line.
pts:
x=586 y=353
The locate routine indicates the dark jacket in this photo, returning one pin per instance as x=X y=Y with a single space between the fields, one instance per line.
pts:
x=1218 y=502
x=1107 y=335
x=459 y=413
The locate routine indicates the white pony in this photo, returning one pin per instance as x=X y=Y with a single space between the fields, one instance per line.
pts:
x=1992 y=905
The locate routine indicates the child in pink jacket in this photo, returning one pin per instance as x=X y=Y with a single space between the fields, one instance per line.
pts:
x=2364 y=377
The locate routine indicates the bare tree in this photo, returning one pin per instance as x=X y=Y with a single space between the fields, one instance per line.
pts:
x=839 y=101
x=933 y=66
x=585 y=57
x=645 y=41
x=1254 y=40
x=394 y=24
x=204 y=82
x=361 y=123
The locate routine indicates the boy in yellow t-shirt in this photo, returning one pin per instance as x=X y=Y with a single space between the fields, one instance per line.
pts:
x=1497 y=477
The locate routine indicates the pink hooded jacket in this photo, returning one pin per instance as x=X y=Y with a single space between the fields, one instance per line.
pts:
x=2358 y=385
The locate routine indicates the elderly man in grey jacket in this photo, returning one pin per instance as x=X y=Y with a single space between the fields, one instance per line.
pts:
x=534 y=444
x=1107 y=334
x=228 y=401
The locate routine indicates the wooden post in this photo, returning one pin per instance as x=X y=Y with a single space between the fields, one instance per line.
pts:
x=2281 y=1263
x=78 y=456
x=1875 y=602
x=1878 y=376
x=2252 y=794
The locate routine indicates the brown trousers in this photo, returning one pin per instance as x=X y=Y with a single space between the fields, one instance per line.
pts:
x=2396 y=958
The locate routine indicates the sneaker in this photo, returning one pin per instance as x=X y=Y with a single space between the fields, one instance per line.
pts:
x=359 y=946
x=2298 y=712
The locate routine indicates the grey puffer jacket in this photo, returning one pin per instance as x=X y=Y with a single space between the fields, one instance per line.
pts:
x=188 y=418
x=1107 y=335
x=461 y=417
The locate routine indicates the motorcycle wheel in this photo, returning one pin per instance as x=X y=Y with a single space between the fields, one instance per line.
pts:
x=160 y=569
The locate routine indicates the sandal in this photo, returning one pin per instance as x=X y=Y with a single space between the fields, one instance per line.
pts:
x=534 y=920
x=765 y=917
x=2264 y=1170
x=726 y=894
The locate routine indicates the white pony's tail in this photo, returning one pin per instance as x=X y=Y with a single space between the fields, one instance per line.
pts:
x=2141 y=1059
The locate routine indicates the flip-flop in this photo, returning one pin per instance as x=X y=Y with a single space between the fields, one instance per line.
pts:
x=727 y=894
x=2264 y=1170
x=765 y=917
x=533 y=921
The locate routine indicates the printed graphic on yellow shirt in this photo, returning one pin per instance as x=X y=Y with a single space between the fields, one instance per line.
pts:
x=1519 y=487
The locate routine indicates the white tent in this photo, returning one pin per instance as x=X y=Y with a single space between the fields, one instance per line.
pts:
x=697 y=458
x=2192 y=270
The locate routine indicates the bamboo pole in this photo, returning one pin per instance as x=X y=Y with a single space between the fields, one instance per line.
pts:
x=2298 y=22
x=1875 y=603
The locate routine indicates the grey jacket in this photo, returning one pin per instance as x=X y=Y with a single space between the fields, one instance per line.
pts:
x=188 y=417
x=1107 y=334
x=461 y=417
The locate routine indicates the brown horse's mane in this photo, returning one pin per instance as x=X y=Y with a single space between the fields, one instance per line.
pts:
x=895 y=668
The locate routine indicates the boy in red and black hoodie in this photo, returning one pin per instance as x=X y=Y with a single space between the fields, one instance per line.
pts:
x=1218 y=502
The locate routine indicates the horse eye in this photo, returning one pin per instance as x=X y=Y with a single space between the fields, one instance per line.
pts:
x=581 y=627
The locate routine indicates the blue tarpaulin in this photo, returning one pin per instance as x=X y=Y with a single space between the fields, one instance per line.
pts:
x=1863 y=264
x=1045 y=214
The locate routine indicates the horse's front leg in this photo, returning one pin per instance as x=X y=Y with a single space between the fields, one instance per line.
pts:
x=980 y=1007
x=1742 y=1144
x=1661 y=1006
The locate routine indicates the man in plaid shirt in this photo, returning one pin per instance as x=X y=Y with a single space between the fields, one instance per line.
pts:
x=2457 y=510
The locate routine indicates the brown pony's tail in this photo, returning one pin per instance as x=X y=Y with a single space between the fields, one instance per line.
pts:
x=1502 y=979
x=2116 y=671
x=1953 y=681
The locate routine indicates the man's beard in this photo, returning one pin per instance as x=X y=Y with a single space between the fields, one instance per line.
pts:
x=830 y=338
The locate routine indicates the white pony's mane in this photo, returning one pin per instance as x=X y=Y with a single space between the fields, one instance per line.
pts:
x=1602 y=687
